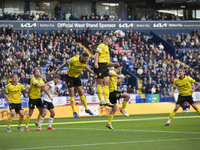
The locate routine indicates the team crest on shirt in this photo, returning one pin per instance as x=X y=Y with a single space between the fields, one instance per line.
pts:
x=69 y=60
x=99 y=49
x=34 y=81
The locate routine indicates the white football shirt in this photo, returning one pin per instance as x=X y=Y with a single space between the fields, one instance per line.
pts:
x=51 y=90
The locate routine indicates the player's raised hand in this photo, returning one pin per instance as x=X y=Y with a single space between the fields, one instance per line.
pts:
x=120 y=77
x=96 y=66
x=170 y=96
x=127 y=76
x=9 y=102
x=116 y=64
x=92 y=71
x=51 y=98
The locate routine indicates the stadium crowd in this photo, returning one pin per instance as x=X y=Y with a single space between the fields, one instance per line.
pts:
x=89 y=16
x=188 y=45
x=21 y=52
x=183 y=40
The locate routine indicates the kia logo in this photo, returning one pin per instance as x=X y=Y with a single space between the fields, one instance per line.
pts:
x=126 y=25
x=28 y=25
x=159 y=25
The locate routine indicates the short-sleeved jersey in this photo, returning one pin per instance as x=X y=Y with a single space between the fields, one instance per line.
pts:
x=75 y=67
x=35 y=92
x=184 y=85
x=51 y=92
x=104 y=54
x=14 y=92
x=113 y=81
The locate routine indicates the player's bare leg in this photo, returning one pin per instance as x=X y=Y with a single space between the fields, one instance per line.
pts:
x=172 y=115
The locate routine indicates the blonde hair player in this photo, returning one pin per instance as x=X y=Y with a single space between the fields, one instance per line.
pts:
x=12 y=95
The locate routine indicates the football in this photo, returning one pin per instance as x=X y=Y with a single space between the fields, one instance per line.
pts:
x=119 y=33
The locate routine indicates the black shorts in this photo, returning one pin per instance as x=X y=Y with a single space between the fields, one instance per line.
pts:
x=182 y=99
x=35 y=102
x=48 y=105
x=114 y=96
x=71 y=82
x=16 y=107
x=102 y=71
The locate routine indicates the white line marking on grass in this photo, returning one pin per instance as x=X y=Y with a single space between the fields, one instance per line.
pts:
x=124 y=130
x=111 y=143
x=117 y=120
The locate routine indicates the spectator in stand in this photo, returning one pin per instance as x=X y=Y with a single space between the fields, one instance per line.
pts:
x=106 y=16
x=125 y=46
x=129 y=89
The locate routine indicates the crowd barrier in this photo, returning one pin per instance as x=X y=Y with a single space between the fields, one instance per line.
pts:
x=138 y=104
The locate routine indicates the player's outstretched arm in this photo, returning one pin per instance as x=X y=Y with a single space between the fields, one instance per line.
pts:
x=41 y=85
x=113 y=64
x=88 y=69
x=59 y=68
x=122 y=79
x=198 y=85
x=111 y=74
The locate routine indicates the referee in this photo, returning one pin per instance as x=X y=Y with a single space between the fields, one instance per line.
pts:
x=102 y=61
x=185 y=93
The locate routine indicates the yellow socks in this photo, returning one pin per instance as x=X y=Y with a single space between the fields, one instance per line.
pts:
x=171 y=116
x=124 y=104
x=20 y=120
x=28 y=119
x=10 y=120
x=38 y=118
x=198 y=110
x=110 y=118
x=99 y=92
x=83 y=100
x=106 y=92
x=72 y=104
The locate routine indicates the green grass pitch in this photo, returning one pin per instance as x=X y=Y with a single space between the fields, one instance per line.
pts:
x=136 y=132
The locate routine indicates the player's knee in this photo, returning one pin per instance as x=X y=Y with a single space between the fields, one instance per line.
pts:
x=12 y=114
x=30 y=112
x=21 y=115
x=128 y=96
x=53 y=114
x=44 y=114
x=175 y=109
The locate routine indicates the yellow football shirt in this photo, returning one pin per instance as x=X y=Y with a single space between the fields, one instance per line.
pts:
x=75 y=67
x=104 y=54
x=14 y=92
x=113 y=81
x=35 y=92
x=184 y=85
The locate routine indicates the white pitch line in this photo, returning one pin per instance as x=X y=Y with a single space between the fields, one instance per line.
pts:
x=111 y=143
x=124 y=130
